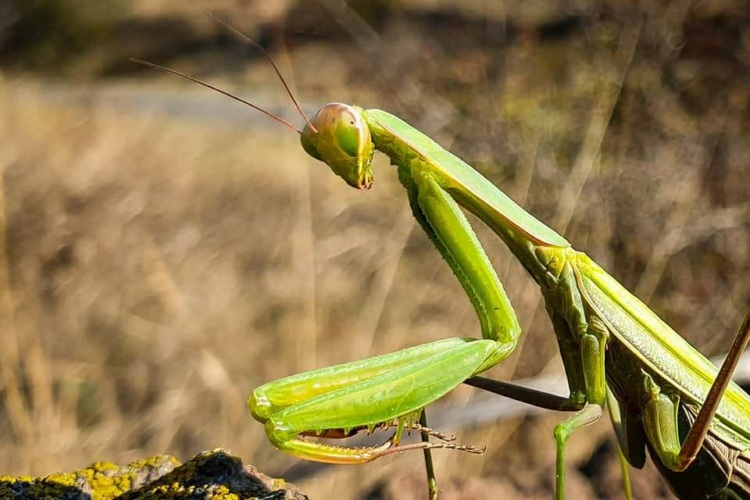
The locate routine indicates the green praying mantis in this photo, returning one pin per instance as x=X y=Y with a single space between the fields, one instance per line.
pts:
x=662 y=394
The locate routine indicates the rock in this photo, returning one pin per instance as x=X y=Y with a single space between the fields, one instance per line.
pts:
x=208 y=475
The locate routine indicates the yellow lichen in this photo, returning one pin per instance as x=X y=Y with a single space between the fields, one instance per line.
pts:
x=209 y=475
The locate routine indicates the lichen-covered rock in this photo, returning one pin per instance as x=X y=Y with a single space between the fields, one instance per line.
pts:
x=209 y=475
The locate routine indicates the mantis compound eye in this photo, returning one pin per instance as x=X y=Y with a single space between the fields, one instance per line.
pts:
x=348 y=135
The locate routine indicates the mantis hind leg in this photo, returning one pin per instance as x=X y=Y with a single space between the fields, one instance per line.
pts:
x=661 y=412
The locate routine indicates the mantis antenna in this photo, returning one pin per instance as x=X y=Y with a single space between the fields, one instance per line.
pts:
x=232 y=96
x=207 y=85
x=265 y=53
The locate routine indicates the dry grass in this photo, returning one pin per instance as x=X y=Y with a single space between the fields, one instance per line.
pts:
x=155 y=269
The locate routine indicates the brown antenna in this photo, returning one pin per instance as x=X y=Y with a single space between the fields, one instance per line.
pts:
x=199 y=82
x=263 y=51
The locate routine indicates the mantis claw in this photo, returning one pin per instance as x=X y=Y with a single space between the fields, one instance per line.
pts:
x=475 y=450
x=322 y=452
x=413 y=426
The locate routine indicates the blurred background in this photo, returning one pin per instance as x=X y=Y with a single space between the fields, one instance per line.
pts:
x=165 y=250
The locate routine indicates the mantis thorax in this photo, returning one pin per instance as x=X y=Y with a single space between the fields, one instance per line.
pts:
x=552 y=258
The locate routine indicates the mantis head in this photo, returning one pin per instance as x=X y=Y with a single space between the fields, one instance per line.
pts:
x=338 y=136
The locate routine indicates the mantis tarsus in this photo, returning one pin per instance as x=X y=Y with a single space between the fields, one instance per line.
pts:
x=663 y=395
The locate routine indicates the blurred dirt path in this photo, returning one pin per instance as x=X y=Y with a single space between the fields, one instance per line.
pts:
x=179 y=103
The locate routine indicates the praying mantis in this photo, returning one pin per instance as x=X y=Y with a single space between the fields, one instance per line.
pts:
x=662 y=394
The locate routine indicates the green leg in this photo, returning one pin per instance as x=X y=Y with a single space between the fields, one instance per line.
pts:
x=540 y=399
x=273 y=397
x=449 y=230
x=586 y=377
x=340 y=400
x=432 y=487
x=625 y=470
x=661 y=423
x=447 y=227
x=563 y=431
x=615 y=416
x=592 y=351
x=582 y=339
